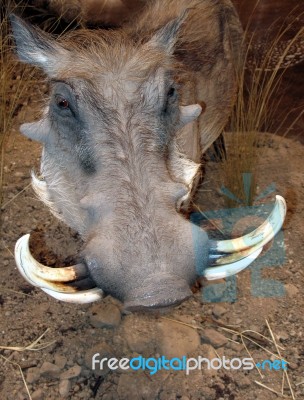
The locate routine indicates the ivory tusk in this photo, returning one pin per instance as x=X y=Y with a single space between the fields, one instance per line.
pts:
x=83 y=297
x=28 y=263
x=224 y=259
x=262 y=234
x=51 y=280
x=232 y=268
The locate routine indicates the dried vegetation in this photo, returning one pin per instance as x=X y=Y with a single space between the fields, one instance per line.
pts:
x=260 y=75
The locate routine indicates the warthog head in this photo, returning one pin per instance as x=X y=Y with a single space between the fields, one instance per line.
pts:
x=111 y=170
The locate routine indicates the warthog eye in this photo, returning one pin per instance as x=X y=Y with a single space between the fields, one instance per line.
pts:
x=171 y=92
x=170 y=100
x=62 y=103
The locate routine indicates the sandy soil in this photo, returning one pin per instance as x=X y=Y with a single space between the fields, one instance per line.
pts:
x=63 y=369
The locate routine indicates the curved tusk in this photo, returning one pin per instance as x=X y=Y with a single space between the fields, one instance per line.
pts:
x=226 y=259
x=232 y=268
x=43 y=284
x=261 y=235
x=29 y=265
x=35 y=273
x=50 y=279
x=84 y=297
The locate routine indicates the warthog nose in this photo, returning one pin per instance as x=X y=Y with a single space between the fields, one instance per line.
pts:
x=156 y=292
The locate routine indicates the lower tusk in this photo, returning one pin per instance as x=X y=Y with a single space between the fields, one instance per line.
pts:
x=30 y=266
x=36 y=273
x=232 y=268
x=263 y=234
x=84 y=297
x=35 y=280
x=228 y=257
x=52 y=280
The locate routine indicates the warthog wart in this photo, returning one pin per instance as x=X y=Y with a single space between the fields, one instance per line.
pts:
x=122 y=137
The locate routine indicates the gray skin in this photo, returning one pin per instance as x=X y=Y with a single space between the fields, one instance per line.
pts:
x=111 y=163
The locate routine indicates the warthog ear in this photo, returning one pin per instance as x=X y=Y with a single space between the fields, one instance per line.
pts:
x=166 y=37
x=33 y=45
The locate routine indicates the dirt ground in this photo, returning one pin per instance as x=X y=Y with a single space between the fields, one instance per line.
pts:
x=63 y=369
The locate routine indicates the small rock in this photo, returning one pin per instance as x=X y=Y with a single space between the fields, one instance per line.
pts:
x=291 y=290
x=139 y=336
x=33 y=375
x=49 y=370
x=71 y=373
x=243 y=381
x=237 y=347
x=282 y=336
x=60 y=361
x=218 y=310
x=105 y=315
x=207 y=351
x=104 y=351
x=38 y=395
x=220 y=388
x=176 y=340
x=292 y=365
x=216 y=339
x=235 y=321
x=64 y=387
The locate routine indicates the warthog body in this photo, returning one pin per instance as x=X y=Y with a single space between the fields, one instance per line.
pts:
x=123 y=134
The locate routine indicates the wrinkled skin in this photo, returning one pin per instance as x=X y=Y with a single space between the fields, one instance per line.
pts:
x=110 y=160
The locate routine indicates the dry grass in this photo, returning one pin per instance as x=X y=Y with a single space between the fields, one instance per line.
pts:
x=56 y=16
x=255 y=109
x=34 y=346
x=15 y=78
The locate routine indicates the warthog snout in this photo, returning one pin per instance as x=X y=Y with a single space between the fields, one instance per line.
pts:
x=158 y=291
x=151 y=268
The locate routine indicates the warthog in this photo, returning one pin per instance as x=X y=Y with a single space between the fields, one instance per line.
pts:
x=122 y=136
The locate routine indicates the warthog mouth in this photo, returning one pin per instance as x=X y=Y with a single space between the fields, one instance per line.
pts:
x=158 y=291
x=225 y=258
